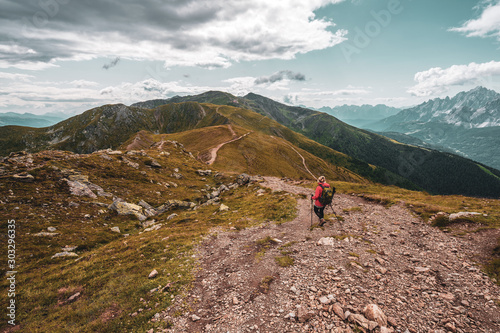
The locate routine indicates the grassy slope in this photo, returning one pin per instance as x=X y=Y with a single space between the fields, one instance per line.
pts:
x=111 y=272
x=107 y=126
x=256 y=153
x=429 y=169
x=257 y=122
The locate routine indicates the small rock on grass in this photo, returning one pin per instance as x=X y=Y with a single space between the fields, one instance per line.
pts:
x=153 y=274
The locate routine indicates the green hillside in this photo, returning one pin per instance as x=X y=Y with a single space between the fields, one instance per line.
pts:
x=436 y=172
x=110 y=126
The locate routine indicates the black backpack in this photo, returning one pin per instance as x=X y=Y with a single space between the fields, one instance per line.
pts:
x=326 y=195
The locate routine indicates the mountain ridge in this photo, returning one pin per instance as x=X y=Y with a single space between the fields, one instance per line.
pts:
x=454 y=124
x=369 y=155
x=425 y=167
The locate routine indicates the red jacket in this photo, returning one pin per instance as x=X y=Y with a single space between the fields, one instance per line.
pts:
x=318 y=193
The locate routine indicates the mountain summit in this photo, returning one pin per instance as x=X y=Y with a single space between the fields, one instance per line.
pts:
x=428 y=169
x=467 y=124
x=476 y=108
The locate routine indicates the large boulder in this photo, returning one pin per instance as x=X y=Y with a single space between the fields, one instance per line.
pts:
x=175 y=204
x=125 y=208
x=80 y=189
x=243 y=179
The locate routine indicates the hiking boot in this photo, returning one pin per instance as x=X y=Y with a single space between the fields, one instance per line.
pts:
x=322 y=222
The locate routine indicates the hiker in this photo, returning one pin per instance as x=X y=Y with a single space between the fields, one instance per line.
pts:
x=318 y=206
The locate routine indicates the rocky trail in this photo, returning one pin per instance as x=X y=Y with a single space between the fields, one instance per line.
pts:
x=380 y=269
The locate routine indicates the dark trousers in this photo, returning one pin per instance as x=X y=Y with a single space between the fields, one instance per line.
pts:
x=319 y=211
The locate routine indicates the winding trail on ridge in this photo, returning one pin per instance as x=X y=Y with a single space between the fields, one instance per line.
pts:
x=303 y=160
x=423 y=279
x=213 y=151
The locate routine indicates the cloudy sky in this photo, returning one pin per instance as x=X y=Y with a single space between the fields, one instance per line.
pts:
x=71 y=55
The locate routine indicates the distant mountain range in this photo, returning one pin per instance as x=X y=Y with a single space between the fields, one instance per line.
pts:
x=29 y=119
x=477 y=108
x=360 y=152
x=427 y=168
x=467 y=124
x=360 y=116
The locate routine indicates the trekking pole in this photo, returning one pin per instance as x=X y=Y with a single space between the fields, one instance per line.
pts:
x=311 y=213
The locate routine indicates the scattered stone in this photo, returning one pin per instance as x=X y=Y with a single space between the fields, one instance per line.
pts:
x=447 y=296
x=450 y=327
x=51 y=229
x=46 y=234
x=80 y=189
x=463 y=215
x=125 y=208
x=64 y=254
x=116 y=229
x=243 y=179
x=106 y=157
x=327 y=241
x=153 y=163
x=24 y=177
x=73 y=298
x=204 y=172
x=153 y=228
x=148 y=224
x=130 y=163
x=374 y=313
x=303 y=315
x=177 y=175
x=145 y=205
x=381 y=269
x=223 y=208
x=359 y=319
x=337 y=309
x=171 y=216
x=153 y=274
x=324 y=300
x=422 y=269
x=195 y=318
x=392 y=321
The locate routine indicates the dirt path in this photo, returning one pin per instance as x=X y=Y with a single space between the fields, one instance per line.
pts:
x=213 y=151
x=303 y=160
x=420 y=277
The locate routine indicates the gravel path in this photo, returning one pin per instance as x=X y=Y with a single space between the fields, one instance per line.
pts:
x=422 y=279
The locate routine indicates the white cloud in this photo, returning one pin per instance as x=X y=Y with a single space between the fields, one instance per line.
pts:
x=84 y=83
x=210 y=34
x=128 y=93
x=16 y=77
x=438 y=80
x=487 y=25
x=27 y=65
x=318 y=98
x=348 y=91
